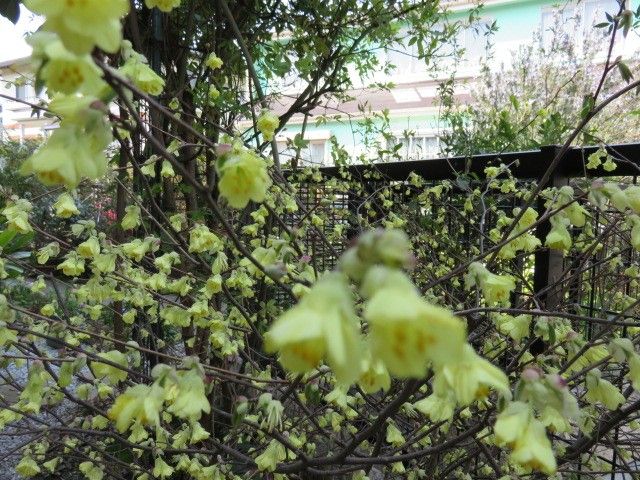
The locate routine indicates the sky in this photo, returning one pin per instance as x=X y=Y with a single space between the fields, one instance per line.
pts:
x=12 y=44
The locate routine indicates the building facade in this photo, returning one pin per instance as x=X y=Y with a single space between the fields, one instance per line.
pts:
x=19 y=121
x=411 y=105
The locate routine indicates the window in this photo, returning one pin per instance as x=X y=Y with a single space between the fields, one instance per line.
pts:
x=415 y=147
x=405 y=58
x=21 y=92
x=475 y=39
x=315 y=153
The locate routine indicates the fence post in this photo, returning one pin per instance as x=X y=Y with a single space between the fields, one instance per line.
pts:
x=549 y=264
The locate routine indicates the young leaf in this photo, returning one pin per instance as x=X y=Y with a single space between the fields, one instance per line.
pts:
x=625 y=72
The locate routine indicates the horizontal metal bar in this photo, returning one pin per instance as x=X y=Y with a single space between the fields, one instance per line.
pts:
x=530 y=164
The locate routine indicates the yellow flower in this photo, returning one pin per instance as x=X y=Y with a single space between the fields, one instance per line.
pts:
x=268 y=460
x=27 y=467
x=602 y=391
x=243 y=176
x=495 y=288
x=64 y=71
x=609 y=165
x=436 y=407
x=140 y=403
x=593 y=355
x=177 y=221
x=213 y=93
x=634 y=221
x=616 y=196
x=52 y=464
x=198 y=433
x=32 y=393
x=166 y=261
x=407 y=333
x=517 y=428
x=576 y=214
x=160 y=468
x=51 y=162
x=90 y=248
x=633 y=197
x=7 y=336
x=49 y=250
x=323 y=325
x=374 y=376
x=213 y=285
x=83 y=24
x=266 y=257
x=104 y=263
x=470 y=378
x=65 y=206
x=554 y=420
x=136 y=249
x=163 y=5
x=516 y=327
x=389 y=247
x=129 y=316
x=113 y=374
x=142 y=75
x=176 y=316
x=48 y=310
x=131 y=218
x=72 y=266
x=394 y=436
x=634 y=371
x=190 y=399
x=201 y=239
x=595 y=159
x=71 y=153
x=267 y=123
x=167 y=170
x=213 y=61
x=91 y=471
x=17 y=215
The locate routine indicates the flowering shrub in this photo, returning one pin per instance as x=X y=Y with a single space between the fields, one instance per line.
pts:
x=226 y=327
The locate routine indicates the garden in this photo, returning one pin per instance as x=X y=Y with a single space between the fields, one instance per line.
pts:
x=181 y=300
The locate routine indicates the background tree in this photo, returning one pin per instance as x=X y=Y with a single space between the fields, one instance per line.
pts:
x=537 y=97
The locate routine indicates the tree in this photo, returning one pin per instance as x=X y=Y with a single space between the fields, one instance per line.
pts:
x=538 y=97
x=226 y=328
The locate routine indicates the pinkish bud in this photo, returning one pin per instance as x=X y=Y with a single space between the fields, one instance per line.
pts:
x=530 y=375
x=222 y=148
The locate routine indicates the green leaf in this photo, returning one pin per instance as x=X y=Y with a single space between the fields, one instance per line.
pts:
x=587 y=105
x=625 y=72
x=626 y=21
x=19 y=242
x=5 y=237
x=10 y=9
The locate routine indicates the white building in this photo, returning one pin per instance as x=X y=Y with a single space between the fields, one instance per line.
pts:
x=18 y=119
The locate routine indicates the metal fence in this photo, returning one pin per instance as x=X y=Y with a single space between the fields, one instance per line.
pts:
x=594 y=283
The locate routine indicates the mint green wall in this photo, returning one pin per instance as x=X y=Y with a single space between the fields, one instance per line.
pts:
x=347 y=132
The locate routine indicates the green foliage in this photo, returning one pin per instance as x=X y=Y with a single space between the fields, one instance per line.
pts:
x=539 y=97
